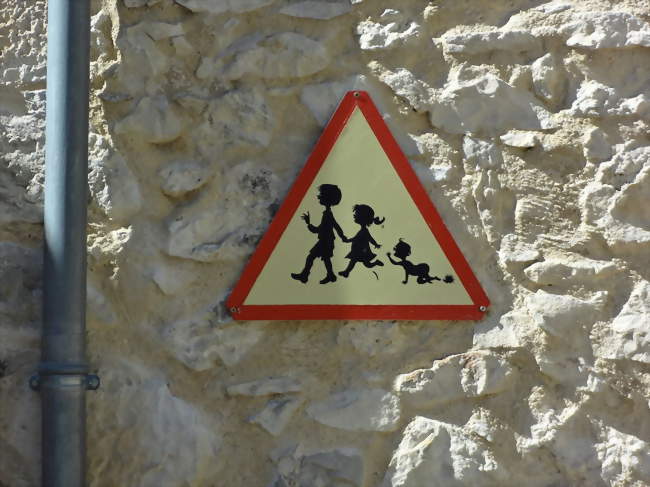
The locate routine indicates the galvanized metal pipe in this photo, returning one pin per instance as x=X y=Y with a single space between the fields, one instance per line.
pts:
x=62 y=377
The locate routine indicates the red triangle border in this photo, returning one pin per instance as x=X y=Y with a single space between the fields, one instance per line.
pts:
x=361 y=100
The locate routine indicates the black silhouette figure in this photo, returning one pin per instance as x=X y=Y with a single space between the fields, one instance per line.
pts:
x=328 y=195
x=360 y=251
x=421 y=271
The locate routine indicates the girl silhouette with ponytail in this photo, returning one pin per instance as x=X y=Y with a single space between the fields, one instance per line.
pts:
x=360 y=251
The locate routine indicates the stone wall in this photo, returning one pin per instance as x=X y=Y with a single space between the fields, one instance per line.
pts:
x=527 y=122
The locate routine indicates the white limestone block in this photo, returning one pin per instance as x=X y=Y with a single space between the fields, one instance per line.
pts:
x=264 y=387
x=314 y=9
x=623 y=455
x=631 y=328
x=283 y=55
x=99 y=305
x=222 y=6
x=132 y=388
x=519 y=139
x=595 y=99
x=373 y=338
x=200 y=342
x=487 y=105
x=358 y=410
x=596 y=146
x=154 y=120
x=440 y=173
x=549 y=79
x=172 y=279
x=109 y=245
x=436 y=453
x=514 y=254
x=161 y=30
x=342 y=466
x=468 y=375
x=561 y=315
x=388 y=33
x=234 y=342
x=472 y=43
x=508 y=332
x=277 y=414
x=481 y=153
x=239 y=116
x=598 y=30
x=569 y=270
x=615 y=202
x=113 y=185
x=406 y=85
x=181 y=177
x=140 y=3
x=220 y=232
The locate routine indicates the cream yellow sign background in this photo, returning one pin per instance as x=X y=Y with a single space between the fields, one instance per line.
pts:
x=358 y=165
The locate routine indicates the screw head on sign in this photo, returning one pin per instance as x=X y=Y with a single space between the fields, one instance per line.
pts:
x=482 y=308
x=357 y=94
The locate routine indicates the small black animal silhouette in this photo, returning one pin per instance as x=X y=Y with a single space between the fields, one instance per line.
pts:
x=421 y=271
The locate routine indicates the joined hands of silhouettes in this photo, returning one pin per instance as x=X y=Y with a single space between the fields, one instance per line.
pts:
x=330 y=195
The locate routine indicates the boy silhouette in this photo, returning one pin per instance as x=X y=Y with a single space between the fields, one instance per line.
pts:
x=328 y=195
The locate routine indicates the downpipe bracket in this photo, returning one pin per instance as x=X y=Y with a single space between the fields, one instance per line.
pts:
x=62 y=376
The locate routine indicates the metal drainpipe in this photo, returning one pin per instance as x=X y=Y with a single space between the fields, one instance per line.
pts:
x=62 y=377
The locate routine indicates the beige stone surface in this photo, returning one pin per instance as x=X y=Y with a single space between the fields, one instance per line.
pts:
x=527 y=122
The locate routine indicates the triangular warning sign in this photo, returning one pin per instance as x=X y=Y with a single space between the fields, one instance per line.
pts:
x=357 y=237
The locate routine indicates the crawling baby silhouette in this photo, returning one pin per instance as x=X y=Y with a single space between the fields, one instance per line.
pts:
x=420 y=271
